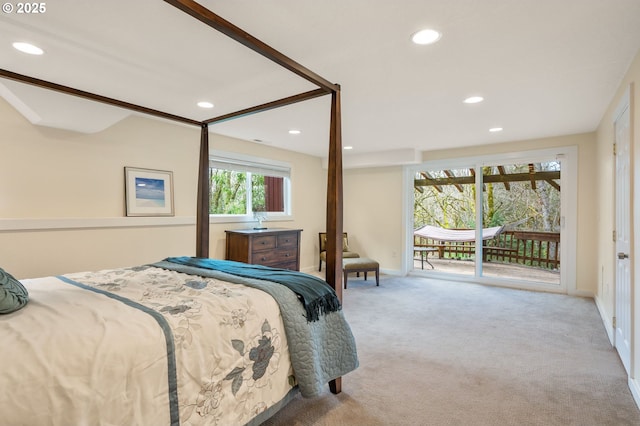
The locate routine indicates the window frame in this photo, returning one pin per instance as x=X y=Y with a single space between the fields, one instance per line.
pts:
x=259 y=165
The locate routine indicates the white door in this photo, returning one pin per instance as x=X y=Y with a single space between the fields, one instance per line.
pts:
x=623 y=239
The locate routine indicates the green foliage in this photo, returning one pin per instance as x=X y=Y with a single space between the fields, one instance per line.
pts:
x=228 y=192
x=445 y=206
x=448 y=207
x=258 y=193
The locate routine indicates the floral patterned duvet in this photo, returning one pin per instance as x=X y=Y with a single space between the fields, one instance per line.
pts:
x=142 y=346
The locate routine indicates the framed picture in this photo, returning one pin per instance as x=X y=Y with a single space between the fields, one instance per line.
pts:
x=148 y=192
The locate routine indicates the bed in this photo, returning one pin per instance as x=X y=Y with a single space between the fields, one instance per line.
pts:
x=103 y=341
x=183 y=341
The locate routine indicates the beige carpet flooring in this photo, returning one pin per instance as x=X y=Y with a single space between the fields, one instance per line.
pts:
x=446 y=353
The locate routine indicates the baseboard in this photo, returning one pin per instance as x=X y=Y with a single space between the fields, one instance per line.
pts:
x=311 y=270
x=395 y=272
x=634 y=386
x=581 y=293
x=314 y=271
x=608 y=325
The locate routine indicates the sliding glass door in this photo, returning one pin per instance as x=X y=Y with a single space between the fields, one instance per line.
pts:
x=497 y=218
x=444 y=218
x=524 y=200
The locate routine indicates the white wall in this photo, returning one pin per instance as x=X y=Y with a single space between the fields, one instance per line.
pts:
x=51 y=178
x=373 y=214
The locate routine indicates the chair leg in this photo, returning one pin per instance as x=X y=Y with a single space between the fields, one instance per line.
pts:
x=378 y=277
x=365 y=275
x=346 y=274
x=320 y=266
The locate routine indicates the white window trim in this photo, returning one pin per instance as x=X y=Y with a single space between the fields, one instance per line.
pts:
x=249 y=163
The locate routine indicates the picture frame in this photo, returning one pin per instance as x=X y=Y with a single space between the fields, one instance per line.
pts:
x=148 y=192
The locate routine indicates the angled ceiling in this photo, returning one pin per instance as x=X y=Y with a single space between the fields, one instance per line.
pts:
x=544 y=67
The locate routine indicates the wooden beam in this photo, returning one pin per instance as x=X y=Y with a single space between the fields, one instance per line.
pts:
x=335 y=209
x=449 y=173
x=202 y=209
x=553 y=184
x=428 y=176
x=502 y=172
x=532 y=176
x=269 y=105
x=93 y=97
x=467 y=180
x=216 y=22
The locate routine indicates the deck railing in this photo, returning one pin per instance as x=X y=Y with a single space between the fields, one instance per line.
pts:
x=530 y=248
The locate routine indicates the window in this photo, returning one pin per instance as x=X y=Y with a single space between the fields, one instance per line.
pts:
x=241 y=186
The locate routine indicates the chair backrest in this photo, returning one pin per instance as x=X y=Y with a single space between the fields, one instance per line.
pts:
x=323 y=241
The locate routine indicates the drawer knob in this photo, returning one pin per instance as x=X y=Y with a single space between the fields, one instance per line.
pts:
x=263 y=259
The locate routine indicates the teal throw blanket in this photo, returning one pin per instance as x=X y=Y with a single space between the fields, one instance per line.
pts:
x=316 y=295
x=13 y=295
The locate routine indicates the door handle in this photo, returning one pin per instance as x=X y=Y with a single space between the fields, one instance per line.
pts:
x=623 y=256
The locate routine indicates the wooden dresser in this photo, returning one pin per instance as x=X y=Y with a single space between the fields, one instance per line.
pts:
x=275 y=247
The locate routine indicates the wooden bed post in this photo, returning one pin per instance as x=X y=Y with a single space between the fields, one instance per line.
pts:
x=202 y=213
x=334 y=199
x=334 y=210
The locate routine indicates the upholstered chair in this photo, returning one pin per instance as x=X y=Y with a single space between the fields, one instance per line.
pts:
x=346 y=252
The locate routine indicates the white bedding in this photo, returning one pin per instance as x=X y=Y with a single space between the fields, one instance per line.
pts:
x=73 y=356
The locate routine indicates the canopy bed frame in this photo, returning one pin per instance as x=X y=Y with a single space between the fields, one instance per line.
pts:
x=334 y=204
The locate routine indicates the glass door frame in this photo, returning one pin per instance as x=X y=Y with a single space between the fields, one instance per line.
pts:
x=568 y=156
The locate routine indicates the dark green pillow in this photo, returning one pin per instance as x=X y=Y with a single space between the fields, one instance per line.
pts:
x=13 y=295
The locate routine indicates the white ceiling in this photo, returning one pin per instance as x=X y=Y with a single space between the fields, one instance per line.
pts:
x=544 y=67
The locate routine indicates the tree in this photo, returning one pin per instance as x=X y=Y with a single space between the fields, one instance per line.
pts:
x=228 y=192
x=514 y=203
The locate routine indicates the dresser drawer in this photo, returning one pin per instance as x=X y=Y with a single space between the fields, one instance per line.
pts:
x=275 y=257
x=266 y=242
x=288 y=240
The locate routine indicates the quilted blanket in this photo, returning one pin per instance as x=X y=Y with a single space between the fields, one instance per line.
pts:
x=320 y=351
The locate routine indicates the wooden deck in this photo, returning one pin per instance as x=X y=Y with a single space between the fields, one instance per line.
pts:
x=491 y=269
x=524 y=255
x=531 y=248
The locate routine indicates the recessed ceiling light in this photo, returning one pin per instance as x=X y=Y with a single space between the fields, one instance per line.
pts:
x=28 y=48
x=426 y=36
x=473 y=100
x=348 y=147
x=495 y=129
x=294 y=132
x=205 y=104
